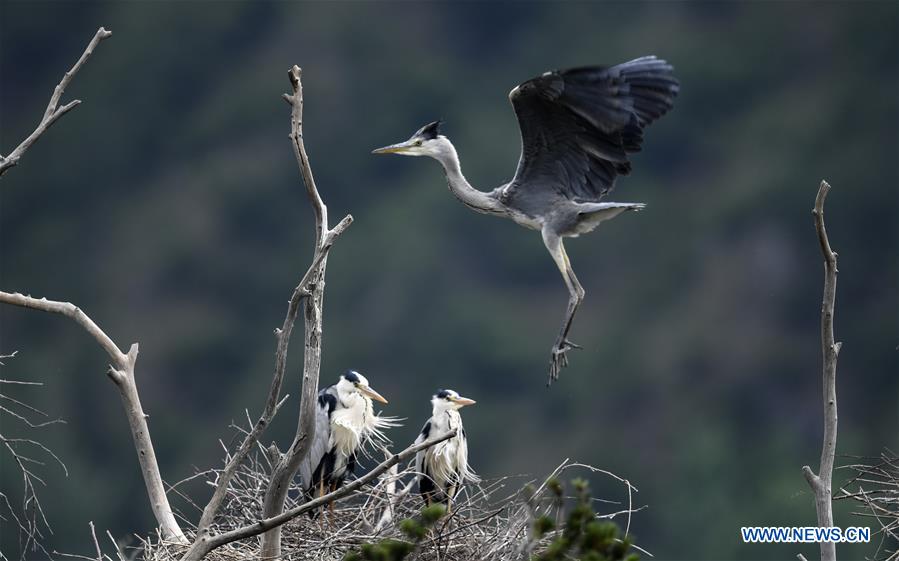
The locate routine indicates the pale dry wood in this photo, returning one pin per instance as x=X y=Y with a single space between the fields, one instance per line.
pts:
x=308 y=291
x=313 y=283
x=53 y=111
x=272 y=402
x=121 y=372
x=821 y=483
x=202 y=546
x=878 y=492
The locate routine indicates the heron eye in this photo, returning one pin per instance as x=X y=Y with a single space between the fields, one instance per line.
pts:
x=418 y=142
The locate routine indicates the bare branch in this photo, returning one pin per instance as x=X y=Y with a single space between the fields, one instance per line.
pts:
x=821 y=483
x=205 y=544
x=880 y=496
x=121 y=371
x=54 y=111
x=96 y=543
x=33 y=516
x=311 y=286
x=72 y=311
x=25 y=419
x=4 y=357
x=28 y=407
x=324 y=240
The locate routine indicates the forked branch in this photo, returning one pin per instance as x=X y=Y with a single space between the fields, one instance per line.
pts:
x=821 y=483
x=121 y=372
x=53 y=111
x=205 y=544
x=314 y=286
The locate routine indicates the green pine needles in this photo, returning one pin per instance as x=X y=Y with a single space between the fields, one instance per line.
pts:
x=415 y=529
x=581 y=536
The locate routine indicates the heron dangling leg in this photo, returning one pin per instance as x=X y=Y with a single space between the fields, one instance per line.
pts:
x=576 y=292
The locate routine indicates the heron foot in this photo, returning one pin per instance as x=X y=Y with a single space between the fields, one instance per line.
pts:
x=559 y=359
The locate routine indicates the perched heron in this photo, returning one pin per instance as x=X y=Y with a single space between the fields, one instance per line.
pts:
x=443 y=468
x=577 y=128
x=344 y=422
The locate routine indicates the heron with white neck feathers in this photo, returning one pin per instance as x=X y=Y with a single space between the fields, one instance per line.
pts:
x=443 y=468
x=345 y=422
x=578 y=127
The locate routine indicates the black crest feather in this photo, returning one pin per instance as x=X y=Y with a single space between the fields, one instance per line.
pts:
x=430 y=131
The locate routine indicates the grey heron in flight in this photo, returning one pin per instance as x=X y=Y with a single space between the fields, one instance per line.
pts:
x=443 y=468
x=578 y=127
x=344 y=422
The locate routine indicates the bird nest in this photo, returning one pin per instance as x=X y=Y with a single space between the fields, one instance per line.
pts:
x=489 y=521
x=875 y=487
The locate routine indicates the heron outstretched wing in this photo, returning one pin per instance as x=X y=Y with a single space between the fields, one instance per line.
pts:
x=579 y=125
x=327 y=401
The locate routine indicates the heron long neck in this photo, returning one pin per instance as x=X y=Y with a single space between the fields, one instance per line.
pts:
x=461 y=188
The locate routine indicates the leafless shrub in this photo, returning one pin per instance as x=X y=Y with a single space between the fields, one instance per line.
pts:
x=30 y=457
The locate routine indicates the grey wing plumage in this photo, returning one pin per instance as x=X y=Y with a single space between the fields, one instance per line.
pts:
x=420 y=455
x=579 y=125
x=425 y=483
x=327 y=401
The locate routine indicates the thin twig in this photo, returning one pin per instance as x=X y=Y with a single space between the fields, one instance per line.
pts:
x=54 y=111
x=206 y=544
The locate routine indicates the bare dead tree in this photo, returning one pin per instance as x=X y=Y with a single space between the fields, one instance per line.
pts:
x=821 y=482
x=53 y=111
x=121 y=372
x=310 y=291
x=284 y=471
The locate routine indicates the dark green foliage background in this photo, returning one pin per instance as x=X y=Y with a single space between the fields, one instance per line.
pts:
x=170 y=208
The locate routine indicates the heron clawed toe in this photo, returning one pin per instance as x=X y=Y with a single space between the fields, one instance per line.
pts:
x=559 y=359
x=578 y=127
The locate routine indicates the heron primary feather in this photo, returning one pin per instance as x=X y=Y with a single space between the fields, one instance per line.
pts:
x=578 y=128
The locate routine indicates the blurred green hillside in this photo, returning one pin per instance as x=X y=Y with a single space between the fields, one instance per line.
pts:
x=169 y=207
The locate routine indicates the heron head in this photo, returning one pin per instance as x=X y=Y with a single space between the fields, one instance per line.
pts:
x=427 y=141
x=353 y=382
x=449 y=399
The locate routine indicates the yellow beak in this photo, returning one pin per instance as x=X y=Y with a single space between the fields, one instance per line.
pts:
x=372 y=394
x=463 y=401
x=393 y=148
